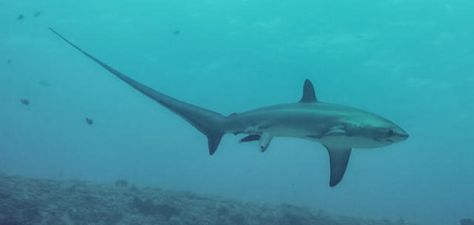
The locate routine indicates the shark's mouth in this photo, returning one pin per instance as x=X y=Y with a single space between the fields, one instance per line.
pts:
x=383 y=140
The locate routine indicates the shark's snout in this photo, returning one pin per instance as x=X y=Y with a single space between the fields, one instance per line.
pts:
x=399 y=135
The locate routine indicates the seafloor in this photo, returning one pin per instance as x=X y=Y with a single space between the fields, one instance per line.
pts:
x=25 y=201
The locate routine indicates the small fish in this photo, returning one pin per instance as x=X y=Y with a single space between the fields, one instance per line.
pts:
x=89 y=121
x=44 y=83
x=37 y=13
x=177 y=32
x=20 y=17
x=25 y=101
x=9 y=61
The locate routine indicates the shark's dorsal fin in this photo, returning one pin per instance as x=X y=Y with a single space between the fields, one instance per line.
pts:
x=308 y=93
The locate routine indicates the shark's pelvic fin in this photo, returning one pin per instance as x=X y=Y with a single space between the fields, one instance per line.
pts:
x=208 y=122
x=265 y=141
x=339 y=158
x=249 y=138
x=309 y=95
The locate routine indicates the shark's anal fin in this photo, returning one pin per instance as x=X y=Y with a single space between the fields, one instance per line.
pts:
x=249 y=138
x=309 y=95
x=265 y=141
x=339 y=158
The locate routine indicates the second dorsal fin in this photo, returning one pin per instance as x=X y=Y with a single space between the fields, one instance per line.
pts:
x=309 y=95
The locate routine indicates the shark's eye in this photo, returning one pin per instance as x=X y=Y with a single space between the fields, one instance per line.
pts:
x=390 y=133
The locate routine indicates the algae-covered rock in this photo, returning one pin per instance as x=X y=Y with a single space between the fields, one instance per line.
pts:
x=466 y=221
x=47 y=202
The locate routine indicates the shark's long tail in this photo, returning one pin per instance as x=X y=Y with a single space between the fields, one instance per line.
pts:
x=208 y=122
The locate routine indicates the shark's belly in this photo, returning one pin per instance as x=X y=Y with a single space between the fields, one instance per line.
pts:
x=350 y=142
x=318 y=136
x=285 y=125
x=302 y=125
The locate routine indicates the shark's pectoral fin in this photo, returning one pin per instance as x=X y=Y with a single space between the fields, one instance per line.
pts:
x=338 y=157
x=265 y=141
x=249 y=138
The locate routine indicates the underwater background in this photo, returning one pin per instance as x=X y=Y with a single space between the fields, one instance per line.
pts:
x=409 y=61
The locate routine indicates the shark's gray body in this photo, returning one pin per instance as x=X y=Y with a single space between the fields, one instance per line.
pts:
x=338 y=128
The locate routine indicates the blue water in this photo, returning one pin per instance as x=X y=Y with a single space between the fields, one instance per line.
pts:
x=410 y=61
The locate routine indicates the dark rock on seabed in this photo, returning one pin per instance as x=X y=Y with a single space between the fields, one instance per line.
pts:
x=25 y=201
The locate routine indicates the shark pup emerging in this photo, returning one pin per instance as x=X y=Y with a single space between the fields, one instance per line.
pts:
x=338 y=128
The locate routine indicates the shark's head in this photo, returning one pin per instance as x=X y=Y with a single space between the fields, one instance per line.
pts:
x=385 y=135
x=374 y=131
